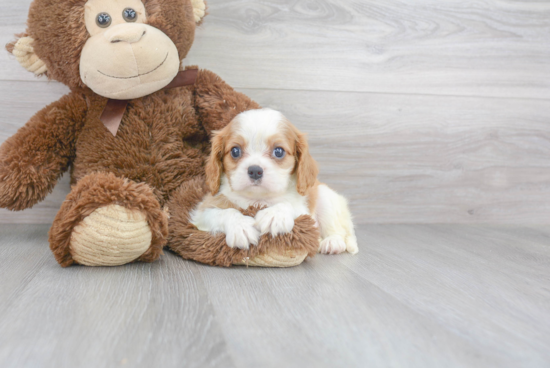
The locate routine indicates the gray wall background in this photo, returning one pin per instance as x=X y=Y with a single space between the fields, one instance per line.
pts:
x=423 y=111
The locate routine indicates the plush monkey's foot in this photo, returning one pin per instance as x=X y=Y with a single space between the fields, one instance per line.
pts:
x=110 y=236
x=108 y=221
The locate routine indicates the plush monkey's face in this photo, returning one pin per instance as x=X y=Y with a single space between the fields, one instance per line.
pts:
x=120 y=49
x=125 y=58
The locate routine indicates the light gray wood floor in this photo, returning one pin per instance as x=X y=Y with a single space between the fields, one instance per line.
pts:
x=415 y=296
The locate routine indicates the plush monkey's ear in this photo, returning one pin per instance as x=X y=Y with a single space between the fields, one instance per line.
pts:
x=199 y=10
x=214 y=165
x=23 y=51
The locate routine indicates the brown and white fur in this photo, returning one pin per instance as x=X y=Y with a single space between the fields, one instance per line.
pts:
x=286 y=186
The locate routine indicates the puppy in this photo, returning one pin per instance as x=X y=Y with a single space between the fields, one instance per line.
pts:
x=260 y=158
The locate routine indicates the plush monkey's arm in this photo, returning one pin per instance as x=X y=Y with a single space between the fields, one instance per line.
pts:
x=217 y=103
x=32 y=160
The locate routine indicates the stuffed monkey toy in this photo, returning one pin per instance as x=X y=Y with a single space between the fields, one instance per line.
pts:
x=134 y=133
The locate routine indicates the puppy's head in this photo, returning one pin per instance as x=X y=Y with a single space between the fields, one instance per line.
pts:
x=260 y=153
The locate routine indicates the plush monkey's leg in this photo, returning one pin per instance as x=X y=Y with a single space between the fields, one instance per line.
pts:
x=186 y=240
x=108 y=221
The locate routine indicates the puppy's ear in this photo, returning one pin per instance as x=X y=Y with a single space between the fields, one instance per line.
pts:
x=214 y=166
x=306 y=167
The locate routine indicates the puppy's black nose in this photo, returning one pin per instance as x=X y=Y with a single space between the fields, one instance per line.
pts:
x=255 y=172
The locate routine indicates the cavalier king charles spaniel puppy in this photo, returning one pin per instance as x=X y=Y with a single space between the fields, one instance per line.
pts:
x=261 y=159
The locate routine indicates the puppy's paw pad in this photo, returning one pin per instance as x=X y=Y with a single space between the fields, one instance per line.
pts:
x=274 y=221
x=240 y=234
x=333 y=244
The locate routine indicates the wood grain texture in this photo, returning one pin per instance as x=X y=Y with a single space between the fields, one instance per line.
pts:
x=140 y=315
x=483 y=48
x=418 y=112
x=414 y=296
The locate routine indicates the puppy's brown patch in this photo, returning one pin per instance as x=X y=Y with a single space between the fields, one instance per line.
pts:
x=312 y=196
x=306 y=168
x=229 y=162
x=220 y=160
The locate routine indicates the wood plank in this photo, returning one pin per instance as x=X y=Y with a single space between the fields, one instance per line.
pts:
x=398 y=158
x=322 y=315
x=19 y=101
x=490 y=284
x=139 y=315
x=415 y=296
x=483 y=48
x=22 y=257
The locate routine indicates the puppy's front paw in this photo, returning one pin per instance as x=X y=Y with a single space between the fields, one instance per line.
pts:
x=274 y=220
x=241 y=232
x=333 y=244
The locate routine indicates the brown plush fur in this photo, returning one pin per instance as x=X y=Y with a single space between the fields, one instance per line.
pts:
x=190 y=243
x=34 y=159
x=161 y=146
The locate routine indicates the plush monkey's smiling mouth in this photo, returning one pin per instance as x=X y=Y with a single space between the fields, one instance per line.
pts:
x=136 y=76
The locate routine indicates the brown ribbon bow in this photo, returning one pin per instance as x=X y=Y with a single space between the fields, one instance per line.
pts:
x=114 y=109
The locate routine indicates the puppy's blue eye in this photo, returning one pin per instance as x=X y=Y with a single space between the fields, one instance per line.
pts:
x=235 y=152
x=279 y=152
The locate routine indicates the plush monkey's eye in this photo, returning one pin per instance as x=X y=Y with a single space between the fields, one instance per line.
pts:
x=279 y=152
x=235 y=152
x=103 y=20
x=129 y=15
